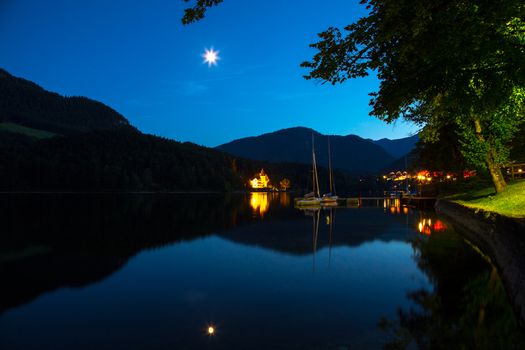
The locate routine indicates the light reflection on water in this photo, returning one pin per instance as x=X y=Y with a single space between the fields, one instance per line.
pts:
x=322 y=278
x=259 y=203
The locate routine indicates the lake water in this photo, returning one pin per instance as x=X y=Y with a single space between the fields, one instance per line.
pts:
x=157 y=271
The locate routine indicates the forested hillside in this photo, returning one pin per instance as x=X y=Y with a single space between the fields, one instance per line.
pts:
x=53 y=143
x=25 y=103
x=124 y=160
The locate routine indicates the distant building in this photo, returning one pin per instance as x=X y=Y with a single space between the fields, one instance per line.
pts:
x=285 y=184
x=260 y=182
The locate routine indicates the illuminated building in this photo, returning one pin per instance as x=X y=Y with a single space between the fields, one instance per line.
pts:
x=261 y=182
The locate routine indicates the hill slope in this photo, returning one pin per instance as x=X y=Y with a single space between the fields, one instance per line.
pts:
x=399 y=147
x=123 y=160
x=112 y=160
x=25 y=103
x=53 y=143
x=351 y=153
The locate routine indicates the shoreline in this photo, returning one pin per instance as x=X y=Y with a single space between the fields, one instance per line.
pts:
x=139 y=192
x=501 y=238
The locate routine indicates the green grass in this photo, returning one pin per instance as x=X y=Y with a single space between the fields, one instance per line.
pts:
x=20 y=129
x=509 y=203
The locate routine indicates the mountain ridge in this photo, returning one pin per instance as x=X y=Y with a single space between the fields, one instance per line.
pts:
x=28 y=104
x=398 y=148
x=89 y=146
x=350 y=153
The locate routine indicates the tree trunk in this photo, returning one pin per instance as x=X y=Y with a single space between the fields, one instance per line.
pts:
x=496 y=175
x=490 y=160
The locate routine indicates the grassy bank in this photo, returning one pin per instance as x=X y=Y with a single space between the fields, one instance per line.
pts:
x=510 y=203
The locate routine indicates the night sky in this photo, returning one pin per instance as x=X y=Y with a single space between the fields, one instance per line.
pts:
x=138 y=58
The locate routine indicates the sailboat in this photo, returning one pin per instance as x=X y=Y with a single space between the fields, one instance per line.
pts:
x=330 y=198
x=311 y=199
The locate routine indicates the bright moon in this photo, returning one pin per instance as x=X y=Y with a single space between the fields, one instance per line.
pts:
x=211 y=57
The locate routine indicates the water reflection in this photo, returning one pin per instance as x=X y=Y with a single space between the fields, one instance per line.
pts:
x=284 y=199
x=259 y=203
x=315 y=214
x=55 y=241
x=468 y=307
x=393 y=204
x=330 y=222
x=217 y=270
x=426 y=226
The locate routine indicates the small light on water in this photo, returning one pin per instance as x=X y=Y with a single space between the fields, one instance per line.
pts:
x=211 y=330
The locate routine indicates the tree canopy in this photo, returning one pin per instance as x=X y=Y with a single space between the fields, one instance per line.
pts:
x=441 y=64
x=455 y=64
x=198 y=10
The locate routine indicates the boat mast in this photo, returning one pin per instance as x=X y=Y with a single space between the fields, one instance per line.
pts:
x=329 y=165
x=315 y=178
x=313 y=165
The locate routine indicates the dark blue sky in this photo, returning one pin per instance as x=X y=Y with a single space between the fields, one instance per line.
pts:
x=137 y=57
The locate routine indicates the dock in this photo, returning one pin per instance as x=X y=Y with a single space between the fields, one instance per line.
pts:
x=412 y=201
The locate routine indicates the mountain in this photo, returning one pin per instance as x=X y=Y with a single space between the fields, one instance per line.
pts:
x=399 y=147
x=351 y=154
x=27 y=108
x=114 y=160
x=403 y=163
x=123 y=160
x=53 y=143
x=50 y=142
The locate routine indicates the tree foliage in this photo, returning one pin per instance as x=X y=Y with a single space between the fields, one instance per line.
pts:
x=198 y=10
x=441 y=155
x=428 y=53
x=441 y=64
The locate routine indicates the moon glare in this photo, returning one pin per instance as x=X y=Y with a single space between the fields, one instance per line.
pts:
x=211 y=57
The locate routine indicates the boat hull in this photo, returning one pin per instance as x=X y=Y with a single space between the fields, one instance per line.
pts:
x=329 y=200
x=308 y=202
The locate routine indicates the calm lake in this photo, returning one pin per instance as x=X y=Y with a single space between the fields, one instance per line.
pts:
x=164 y=271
